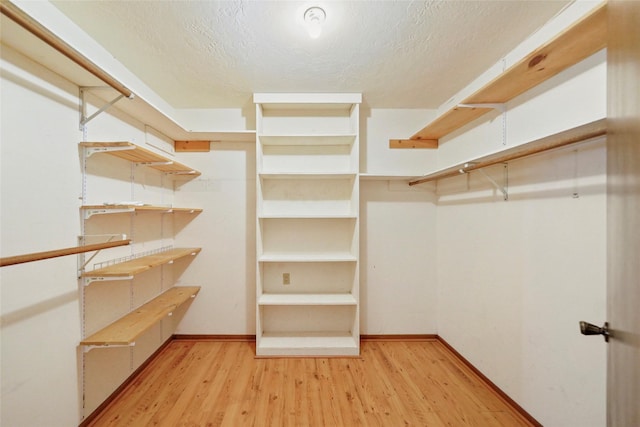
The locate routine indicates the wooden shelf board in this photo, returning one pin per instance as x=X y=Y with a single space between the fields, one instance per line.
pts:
x=137 y=154
x=307 y=299
x=579 y=41
x=125 y=330
x=143 y=208
x=139 y=265
x=571 y=136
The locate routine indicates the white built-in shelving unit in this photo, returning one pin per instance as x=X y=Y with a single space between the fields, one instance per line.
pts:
x=307 y=224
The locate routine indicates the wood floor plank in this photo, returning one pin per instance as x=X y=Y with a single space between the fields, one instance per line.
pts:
x=221 y=383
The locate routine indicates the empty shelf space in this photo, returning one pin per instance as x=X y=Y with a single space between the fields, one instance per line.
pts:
x=584 y=38
x=139 y=265
x=307 y=299
x=308 y=344
x=125 y=330
x=137 y=154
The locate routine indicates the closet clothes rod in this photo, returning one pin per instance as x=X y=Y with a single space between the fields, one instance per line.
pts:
x=21 y=18
x=571 y=136
x=39 y=256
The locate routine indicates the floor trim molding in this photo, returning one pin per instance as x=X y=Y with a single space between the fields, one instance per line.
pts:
x=89 y=418
x=504 y=396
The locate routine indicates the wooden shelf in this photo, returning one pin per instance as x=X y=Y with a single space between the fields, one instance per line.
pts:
x=127 y=329
x=139 y=265
x=581 y=40
x=137 y=154
x=307 y=299
x=561 y=139
x=108 y=209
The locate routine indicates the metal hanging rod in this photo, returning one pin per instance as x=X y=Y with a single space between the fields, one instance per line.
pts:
x=25 y=21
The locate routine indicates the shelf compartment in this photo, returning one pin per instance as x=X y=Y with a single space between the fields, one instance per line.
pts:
x=307 y=299
x=140 y=155
x=308 y=236
x=139 y=265
x=305 y=159
x=127 y=329
x=307 y=198
x=308 y=344
x=581 y=40
x=308 y=277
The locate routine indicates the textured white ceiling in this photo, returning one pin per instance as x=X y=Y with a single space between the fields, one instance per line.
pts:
x=399 y=54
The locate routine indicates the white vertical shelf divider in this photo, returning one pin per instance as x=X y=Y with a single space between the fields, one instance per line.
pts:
x=307 y=235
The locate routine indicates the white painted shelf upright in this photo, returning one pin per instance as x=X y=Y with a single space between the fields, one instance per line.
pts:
x=307 y=224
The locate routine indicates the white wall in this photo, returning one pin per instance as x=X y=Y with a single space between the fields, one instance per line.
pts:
x=39 y=212
x=515 y=277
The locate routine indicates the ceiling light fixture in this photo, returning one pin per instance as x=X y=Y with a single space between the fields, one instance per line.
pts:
x=313 y=19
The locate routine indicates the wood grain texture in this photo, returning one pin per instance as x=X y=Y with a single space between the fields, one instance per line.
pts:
x=139 y=265
x=393 y=383
x=125 y=330
x=584 y=38
x=137 y=154
x=193 y=146
x=413 y=143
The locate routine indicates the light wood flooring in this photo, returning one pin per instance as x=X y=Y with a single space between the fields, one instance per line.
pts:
x=393 y=383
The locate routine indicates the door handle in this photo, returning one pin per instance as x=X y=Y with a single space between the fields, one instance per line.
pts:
x=590 y=329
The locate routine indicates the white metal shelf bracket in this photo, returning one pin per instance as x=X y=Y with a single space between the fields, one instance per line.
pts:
x=93 y=150
x=84 y=119
x=504 y=189
x=88 y=213
x=89 y=280
x=88 y=348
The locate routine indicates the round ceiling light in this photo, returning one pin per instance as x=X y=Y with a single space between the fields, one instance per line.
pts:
x=314 y=18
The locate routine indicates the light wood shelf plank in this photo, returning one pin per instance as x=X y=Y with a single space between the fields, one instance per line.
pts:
x=127 y=329
x=579 y=41
x=139 y=265
x=558 y=140
x=137 y=154
x=142 y=208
